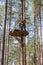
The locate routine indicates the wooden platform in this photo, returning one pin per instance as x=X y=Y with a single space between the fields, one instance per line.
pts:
x=18 y=33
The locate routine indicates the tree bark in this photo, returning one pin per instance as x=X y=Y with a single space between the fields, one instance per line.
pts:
x=35 y=32
x=40 y=45
x=19 y=56
x=4 y=30
x=23 y=46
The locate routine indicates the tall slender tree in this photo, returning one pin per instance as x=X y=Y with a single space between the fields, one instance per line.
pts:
x=19 y=54
x=40 y=45
x=35 y=32
x=9 y=21
x=4 y=31
x=23 y=46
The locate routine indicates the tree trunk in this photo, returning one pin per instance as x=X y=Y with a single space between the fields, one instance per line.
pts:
x=19 y=56
x=23 y=46
x=10 y=2
x=4 y=30
x=40 y=45
x=28 y=58
x=36 y=32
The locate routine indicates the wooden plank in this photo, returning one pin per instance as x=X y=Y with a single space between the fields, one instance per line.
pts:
x=18 y=33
